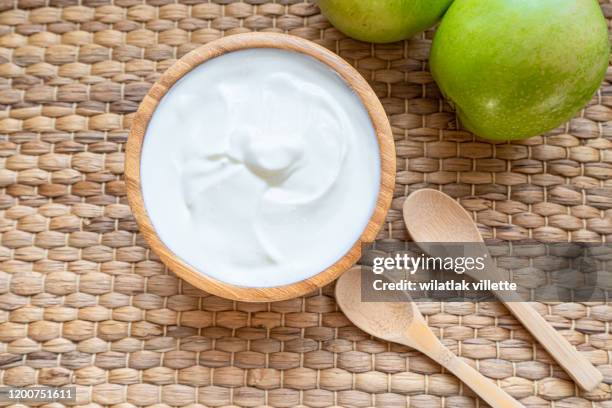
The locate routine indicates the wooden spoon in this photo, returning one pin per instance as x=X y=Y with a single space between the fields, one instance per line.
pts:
x=402 y=322
x=432 y=216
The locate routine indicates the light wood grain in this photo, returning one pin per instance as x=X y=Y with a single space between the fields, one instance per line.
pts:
x=215 y=49
x=401 y=322
x=432 y=216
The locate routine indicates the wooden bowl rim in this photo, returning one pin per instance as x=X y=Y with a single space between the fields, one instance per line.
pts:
x=214 y=49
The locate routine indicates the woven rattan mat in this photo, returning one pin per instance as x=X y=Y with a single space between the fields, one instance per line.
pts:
x=83 y=301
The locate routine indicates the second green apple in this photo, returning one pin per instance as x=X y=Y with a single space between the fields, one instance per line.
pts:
x=517 y=68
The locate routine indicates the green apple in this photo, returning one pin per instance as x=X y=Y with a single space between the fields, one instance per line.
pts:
x=517 y=68
x=383 y=21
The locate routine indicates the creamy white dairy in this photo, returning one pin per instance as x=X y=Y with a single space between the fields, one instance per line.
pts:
x=260 y=168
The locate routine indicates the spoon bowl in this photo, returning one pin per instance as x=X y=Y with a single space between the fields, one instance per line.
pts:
x=367 y=315
x=447 y=221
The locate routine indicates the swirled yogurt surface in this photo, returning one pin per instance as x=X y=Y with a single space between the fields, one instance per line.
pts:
x=260 y=168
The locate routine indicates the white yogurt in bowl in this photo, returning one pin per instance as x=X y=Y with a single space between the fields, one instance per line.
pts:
x=260 y=168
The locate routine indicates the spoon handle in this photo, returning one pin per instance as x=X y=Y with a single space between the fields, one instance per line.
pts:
x=576 y=365
x=422 y=338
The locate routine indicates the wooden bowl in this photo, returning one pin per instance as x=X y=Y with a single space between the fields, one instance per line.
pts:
x=215 y=49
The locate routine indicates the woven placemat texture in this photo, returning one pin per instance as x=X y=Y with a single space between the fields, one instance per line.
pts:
x=83 y=300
